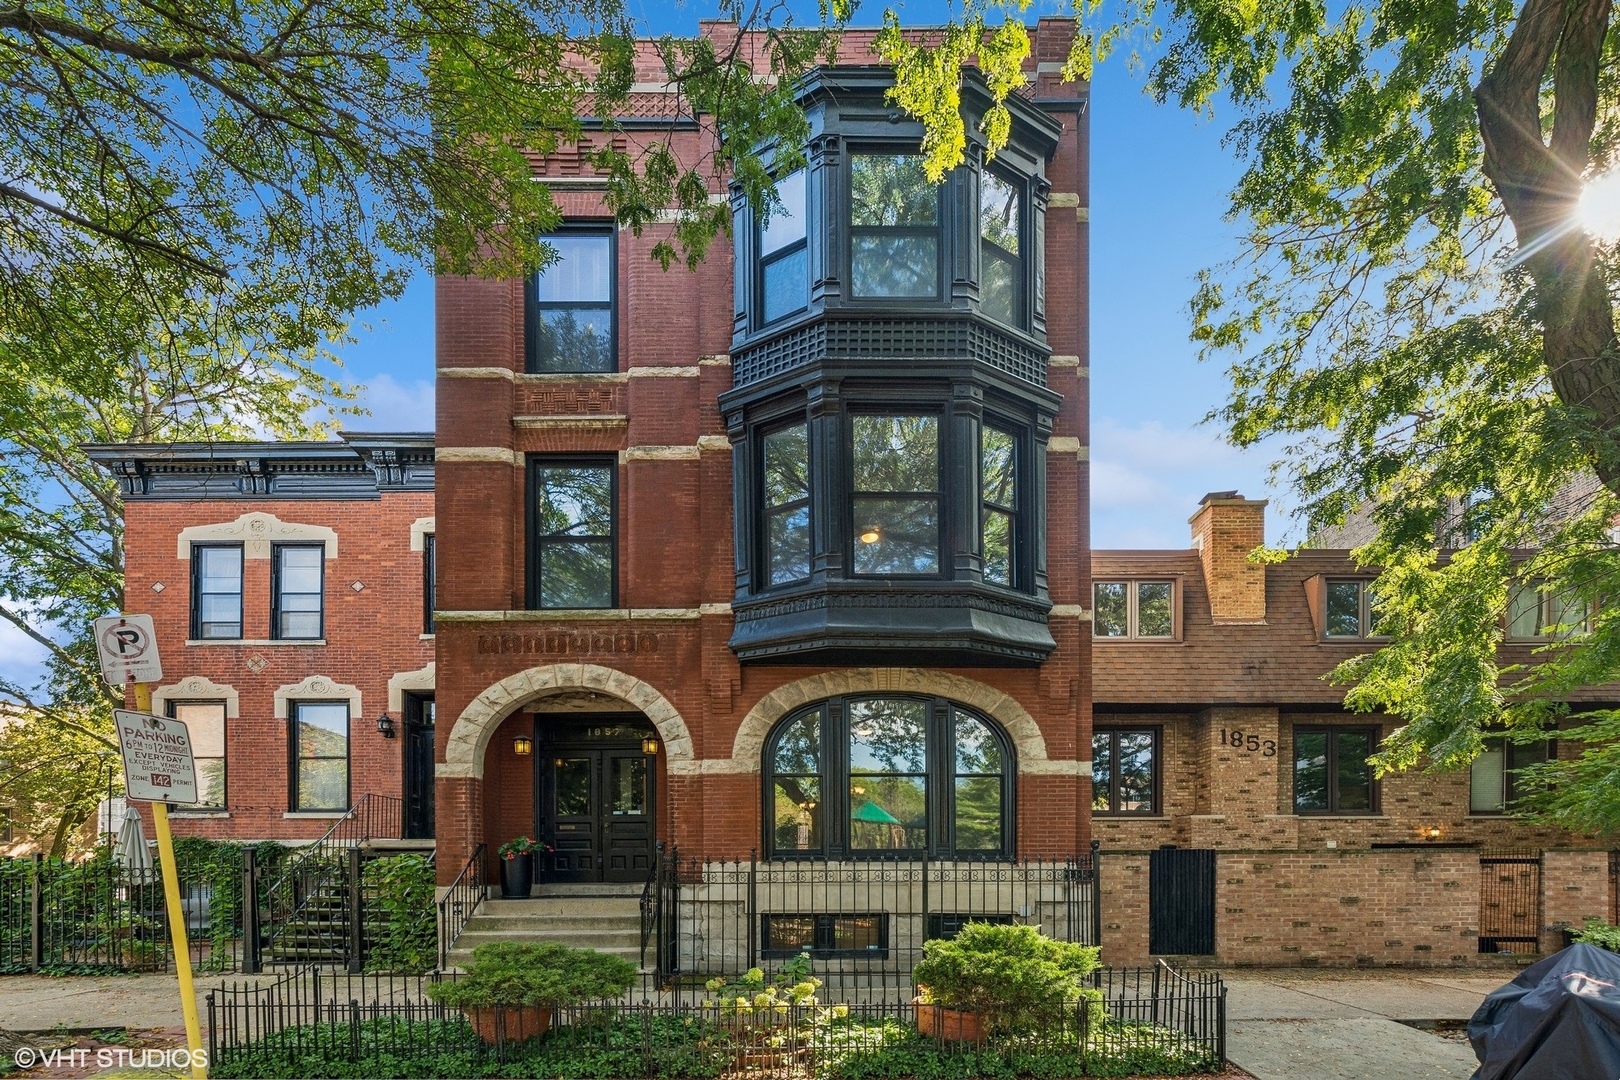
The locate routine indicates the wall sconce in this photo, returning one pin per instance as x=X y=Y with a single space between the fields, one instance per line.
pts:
x=1432 y=832
x=385 y=725
x=649 y=746
x=522 y=746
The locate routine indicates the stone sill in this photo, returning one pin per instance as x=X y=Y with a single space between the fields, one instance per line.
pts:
x=427 y=637
x=257 y=642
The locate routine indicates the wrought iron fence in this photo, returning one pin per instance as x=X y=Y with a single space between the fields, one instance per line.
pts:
x=862 y=923
x=1509 y=902
x=1150 y=1021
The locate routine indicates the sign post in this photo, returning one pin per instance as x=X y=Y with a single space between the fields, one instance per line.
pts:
x=158 y=768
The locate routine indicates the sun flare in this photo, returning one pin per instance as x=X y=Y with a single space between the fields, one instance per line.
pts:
x=1598 y=210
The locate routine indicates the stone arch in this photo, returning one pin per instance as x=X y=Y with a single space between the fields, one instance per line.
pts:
x=469 y=738
x=1021 y=729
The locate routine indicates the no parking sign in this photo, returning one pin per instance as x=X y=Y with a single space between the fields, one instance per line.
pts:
x=127 y=645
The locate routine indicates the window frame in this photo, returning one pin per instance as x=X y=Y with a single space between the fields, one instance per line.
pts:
x=765 y=511
x=850 y=494
x=1022 y=308
x=826 y=924
x=1545 y=601
x=1375 y=806
x=1017 y=553
x=1364 y=609
x=430 y=559
x=1549 y=749
x=1132 y=605
x=1114 y=731
x=533 y=305
x=171 y=710
x=533 y=542
x=940 y=770
x=851 y=230
x=293 y=795
x=762 y=260
x=197 y=593
x=275 y=591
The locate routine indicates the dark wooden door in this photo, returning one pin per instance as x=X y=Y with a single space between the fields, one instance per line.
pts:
x=627 y=816
x=1181 y=901
x=596 y=804
x=575 y=833
x=419 y=767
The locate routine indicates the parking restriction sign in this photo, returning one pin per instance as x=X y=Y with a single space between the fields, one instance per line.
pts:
x=128 y=649
x=158 y=766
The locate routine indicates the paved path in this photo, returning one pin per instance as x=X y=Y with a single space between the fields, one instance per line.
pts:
x=1345 y=1026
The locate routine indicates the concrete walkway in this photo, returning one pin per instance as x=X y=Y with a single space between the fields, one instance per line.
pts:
x=1292 y=1025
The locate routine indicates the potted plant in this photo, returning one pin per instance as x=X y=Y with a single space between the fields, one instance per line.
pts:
x=517 y=866
x=992 y=978
x=511 y=987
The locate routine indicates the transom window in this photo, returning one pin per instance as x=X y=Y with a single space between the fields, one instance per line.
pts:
x=570 y=305
x=1125 y=770
x=896 y=497
x=572 y=556
x=894 y=227
x=1331 y=774
x=1133 y=609
x=216 y=591
x=784 y=266
x=888 y=776
x=1001 y=220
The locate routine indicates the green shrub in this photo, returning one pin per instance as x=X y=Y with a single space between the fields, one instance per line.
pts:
x=519 y=973
x=1599 y=933
x=406 y=939
x=1014 y=975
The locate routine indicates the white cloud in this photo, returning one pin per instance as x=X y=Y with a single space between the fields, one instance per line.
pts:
x=395 y=406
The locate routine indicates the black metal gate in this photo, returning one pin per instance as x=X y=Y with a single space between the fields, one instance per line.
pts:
x=1181 y=901
x=1510 y=902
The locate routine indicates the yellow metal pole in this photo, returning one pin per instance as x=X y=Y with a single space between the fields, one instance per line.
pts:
x=177 y=915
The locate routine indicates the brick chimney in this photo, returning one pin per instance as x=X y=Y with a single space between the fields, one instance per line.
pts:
x=1224 y=530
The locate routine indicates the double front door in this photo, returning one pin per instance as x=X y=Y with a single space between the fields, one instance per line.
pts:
x=596 y=804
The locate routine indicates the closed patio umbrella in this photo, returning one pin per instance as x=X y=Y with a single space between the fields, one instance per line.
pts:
x=131 y=851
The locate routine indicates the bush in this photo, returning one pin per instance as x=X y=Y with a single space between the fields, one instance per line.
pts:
x=1599 y=933
x=1014 y=975
x=520 y=973
x=407 y=939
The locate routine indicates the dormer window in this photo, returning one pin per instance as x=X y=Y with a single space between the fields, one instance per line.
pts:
x=1002 y=274
x=894 y=227
x=784 y=265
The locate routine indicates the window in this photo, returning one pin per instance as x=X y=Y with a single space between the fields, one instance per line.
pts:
x=1001 y=288
x=881 y=776
x=896 y=497
x=1125 y=770
x=786 y=505
x=1133 y=609
x=1535 y=611
x=894 y=227
x=216 y=589
x=831 y=936
x=572 y=557
x=1331 y=774
x=6 y=833
x=1493 y=783
x=429 y=589
x=947 y=924
x=298 y=587
x=784 y=266
x=205 y=723
x=998 y=486
x=320 y=755
x=1350 y=609
x=570 y=306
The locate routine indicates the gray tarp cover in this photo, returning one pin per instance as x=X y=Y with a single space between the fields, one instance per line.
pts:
x=1559 y=1020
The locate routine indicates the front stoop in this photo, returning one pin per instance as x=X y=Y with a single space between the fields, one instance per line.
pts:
x=606 y=918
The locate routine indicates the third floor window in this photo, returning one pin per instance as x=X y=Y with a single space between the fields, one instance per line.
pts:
x=784 y=266
x=571 y=308
x=894 y=227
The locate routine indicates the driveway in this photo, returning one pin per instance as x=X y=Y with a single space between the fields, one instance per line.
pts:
x=1346 y=1025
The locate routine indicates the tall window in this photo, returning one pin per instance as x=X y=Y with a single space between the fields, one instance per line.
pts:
x=1351 y=609
x=1125 y=770
x=784 y=267
x=1133 y=609
x=998 y=479
x=298 y=587
x=571 y=313
x=896 y=498
x=894 y=227
x=1001 y=289
x=216 y=591
x=572 y=550
x=1494 y=783
x=786 y=505
x=429 y=559
x=320 y=755
x=1331 y=774
x=205 y=723
x=884 y=776
x=1535 y=611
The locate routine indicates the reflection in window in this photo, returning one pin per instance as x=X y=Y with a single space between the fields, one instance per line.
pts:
x=1133 y=609
x=574 y=786
x=784 y=265
x=573 y=536
x=1124 y=770
x=320 y=755
x=1331 y=774
x=571 y=306
x=998 y=455
x=1494 y=783
x=896 y=465
x=1000 y=220
x=894 y=227
x=205 y=724
x=787 y=505
x=797 y=785
x=825 y=935
x=888 y=782
x=1351 y=608
x=629 y=788
x=1537 y=612
x=978 y=786
x=216 y=577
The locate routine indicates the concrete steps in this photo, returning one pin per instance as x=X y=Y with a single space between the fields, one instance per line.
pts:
x=606 y=918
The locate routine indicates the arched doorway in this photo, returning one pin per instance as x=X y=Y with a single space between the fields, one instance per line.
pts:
x=596 y=795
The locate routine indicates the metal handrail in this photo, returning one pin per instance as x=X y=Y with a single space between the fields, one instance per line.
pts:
x=652 y=899
x=461 y=899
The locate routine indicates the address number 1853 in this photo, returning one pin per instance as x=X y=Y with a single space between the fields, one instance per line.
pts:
x=1248 y=742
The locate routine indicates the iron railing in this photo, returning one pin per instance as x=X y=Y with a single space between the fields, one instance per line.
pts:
x=1155 y=1020
x=459 y=902
x=1510 y=902
x=652 y=897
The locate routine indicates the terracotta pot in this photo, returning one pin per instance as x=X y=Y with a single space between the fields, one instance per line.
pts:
x=950 y=1025
x=510 y=1023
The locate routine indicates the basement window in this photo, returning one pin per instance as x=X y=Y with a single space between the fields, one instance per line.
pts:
x=825 y=936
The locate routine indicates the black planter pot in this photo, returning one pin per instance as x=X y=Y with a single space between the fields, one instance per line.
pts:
x=517 y=874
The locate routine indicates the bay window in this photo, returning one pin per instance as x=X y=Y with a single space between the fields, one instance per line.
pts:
x=785 y=503
x=998 y=489
x=896 y=494
x=894 y=227
x=784 y=266
x=1001 y=267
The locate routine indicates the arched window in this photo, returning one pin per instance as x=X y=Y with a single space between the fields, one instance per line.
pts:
x=884 y=776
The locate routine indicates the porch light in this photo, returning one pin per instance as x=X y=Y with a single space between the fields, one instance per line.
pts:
x=649 y=746
x=385 y=725
x=522 y=746
x=1433 y=832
